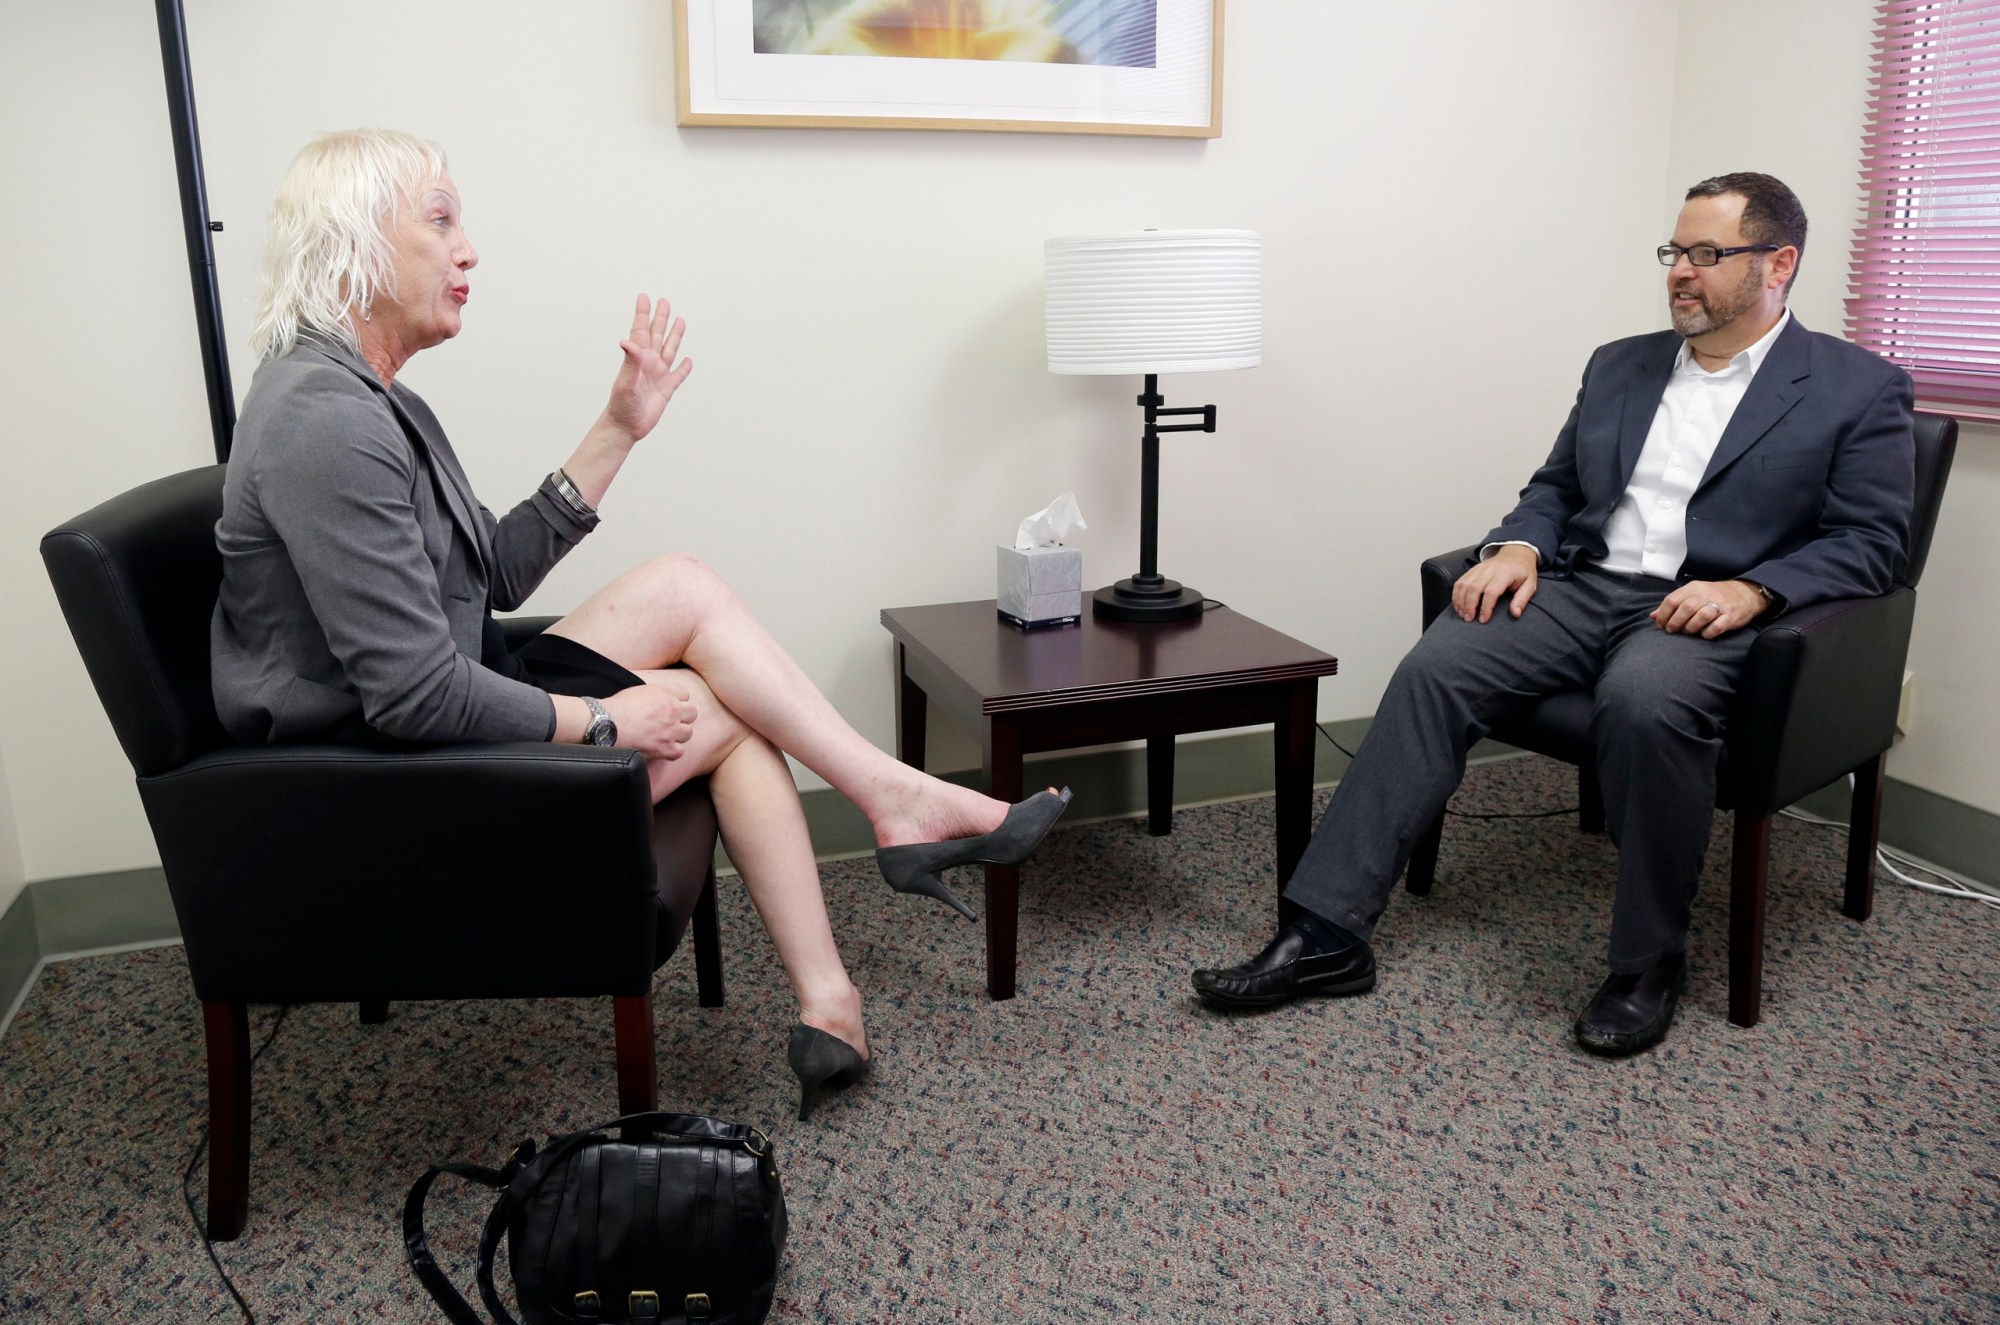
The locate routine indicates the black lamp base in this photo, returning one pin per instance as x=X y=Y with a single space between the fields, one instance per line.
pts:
x=1149 y=595
x=1146 y=598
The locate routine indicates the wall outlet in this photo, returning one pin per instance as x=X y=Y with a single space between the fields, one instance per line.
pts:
x=1906 y=705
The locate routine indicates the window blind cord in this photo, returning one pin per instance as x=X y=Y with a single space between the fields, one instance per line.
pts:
x=194 y=1162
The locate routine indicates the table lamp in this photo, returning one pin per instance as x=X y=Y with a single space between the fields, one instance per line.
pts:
x=1151 y=302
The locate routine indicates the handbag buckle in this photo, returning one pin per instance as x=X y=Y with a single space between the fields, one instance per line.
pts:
x=587 y=1304
x=757 y=1137
x=697 y=1307
x=643 y=1304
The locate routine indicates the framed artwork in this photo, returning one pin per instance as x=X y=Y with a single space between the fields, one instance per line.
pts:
x=1022 y=66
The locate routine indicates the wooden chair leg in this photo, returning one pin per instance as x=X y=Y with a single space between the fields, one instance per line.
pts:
x=1864 y=832
x=1749 y=868
x=638 y=1075
x=374 y=1011
x=226 y=1027
x=707 y=947
x=1589 y=800
x=1422 y=870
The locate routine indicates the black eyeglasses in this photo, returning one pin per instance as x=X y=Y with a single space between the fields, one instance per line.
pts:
x=1707 y=255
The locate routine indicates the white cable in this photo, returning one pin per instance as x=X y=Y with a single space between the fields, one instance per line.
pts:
x=1889 y=860
x=1889 y=864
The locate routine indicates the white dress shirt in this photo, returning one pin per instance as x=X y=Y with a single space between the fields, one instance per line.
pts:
x=1647 y=531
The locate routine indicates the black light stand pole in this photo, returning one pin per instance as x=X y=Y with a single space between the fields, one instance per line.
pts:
x=194 y=219
x=1149 y=596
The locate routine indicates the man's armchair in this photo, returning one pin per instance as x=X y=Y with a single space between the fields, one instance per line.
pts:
x=319 y=873
x=1817 y=701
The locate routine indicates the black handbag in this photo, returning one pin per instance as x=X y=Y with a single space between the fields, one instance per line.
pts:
x=680 y=1220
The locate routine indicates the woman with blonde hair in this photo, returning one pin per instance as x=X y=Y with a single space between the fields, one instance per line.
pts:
x=360 y=573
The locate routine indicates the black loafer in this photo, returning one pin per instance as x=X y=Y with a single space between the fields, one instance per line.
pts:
x=1291 y=966
x=1631 y=1013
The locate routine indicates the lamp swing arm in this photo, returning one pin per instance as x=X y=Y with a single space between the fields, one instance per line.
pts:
x=1155 y=406
x=1149 y=473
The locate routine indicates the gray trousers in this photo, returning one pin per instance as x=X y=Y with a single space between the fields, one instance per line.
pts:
x=1657 y=727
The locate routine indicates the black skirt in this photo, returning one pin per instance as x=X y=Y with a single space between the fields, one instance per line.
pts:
x=561 y=666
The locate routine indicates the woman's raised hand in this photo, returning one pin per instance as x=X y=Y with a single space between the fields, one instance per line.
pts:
x=648 y=377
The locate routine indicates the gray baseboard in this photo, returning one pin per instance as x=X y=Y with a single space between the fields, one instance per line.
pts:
x=92 y=912
x=20 y=953
x=1111 y=784
x=1932 y=828
x=57 y=918
x=71 y=917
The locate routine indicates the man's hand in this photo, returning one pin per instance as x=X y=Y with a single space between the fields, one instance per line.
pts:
x=655 y=719
x=648 y=377
x=1709 y=609
x=1510 y=568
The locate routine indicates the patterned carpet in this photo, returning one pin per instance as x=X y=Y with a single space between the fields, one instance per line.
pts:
x=1100 y=1148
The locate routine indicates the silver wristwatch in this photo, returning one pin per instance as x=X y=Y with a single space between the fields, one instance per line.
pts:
x=602 y=730
x=567 y=490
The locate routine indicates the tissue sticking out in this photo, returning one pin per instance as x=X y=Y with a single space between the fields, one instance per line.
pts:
x=1052 y=525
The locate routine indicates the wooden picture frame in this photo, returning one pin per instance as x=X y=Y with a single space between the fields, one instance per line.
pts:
x=1095 y=83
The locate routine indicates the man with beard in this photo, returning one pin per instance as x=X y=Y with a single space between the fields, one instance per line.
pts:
x=1709 y=478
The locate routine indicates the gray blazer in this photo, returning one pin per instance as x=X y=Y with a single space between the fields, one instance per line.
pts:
x=358 y=568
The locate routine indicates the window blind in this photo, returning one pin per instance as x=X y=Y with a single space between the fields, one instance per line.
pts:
x=1925 y=281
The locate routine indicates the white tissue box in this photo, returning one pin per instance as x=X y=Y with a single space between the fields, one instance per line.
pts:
x=1041 y=586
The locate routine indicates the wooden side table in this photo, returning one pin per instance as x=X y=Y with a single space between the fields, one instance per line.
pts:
x=1100 y=681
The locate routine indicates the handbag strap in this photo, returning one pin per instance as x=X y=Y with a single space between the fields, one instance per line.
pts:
x=489 y=1242
x=688 y=1127
x=417 y=1247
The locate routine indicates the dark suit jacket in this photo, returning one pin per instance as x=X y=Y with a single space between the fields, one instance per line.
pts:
x=358 y=568
x=1809 y=492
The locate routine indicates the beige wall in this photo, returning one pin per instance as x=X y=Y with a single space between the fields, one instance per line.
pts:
x=1780 y=86
x=869 y=412
x=1451 y=196
x=1456 y=199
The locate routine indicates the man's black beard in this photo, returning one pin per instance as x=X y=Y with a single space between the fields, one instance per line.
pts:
x=1751 y=279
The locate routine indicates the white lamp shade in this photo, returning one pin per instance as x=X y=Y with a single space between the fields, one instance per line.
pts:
x=1154 y=301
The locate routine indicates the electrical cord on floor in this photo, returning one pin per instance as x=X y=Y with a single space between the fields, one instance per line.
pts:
x=194 y=1162
x=1889 y=860
x=1210 y=604
x=1459 y=814
x=1335 y=744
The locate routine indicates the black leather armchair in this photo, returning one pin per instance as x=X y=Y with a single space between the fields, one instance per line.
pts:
x=312 y=874
x=1817 y=701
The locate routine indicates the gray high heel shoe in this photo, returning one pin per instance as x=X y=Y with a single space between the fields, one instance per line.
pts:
x=819 y=1059
x=915 y=868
